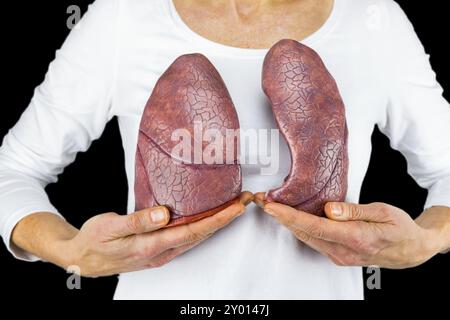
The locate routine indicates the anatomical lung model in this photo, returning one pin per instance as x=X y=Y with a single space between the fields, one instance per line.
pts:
x=310 y=114
x=190 y=98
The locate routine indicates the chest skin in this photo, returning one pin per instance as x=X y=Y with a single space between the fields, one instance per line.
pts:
x=254 y=24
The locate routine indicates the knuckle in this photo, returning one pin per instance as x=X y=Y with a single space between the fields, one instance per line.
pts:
x=383 y=209
x=109 y=215
x=163 y=242
x=315 y=230
x=356 y=212
x=378 y=206
x=386 y=213
x=302 y=236
x=290 y=220
x=221 y=219
x=375 y=205
x=192 y=236
x=135 y=223
x=100 y=220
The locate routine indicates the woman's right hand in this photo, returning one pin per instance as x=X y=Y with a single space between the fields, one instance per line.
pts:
x=110 y=243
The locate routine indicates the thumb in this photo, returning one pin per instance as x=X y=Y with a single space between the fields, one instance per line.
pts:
x=342 y=211
x=142 y=221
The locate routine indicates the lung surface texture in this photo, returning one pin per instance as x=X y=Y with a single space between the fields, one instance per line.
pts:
x=310 y=114
x=189 y=98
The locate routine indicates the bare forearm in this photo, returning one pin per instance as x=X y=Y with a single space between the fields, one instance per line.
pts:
x=437 y=219
x=44 y=235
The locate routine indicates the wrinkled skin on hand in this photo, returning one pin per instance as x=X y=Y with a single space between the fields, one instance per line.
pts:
x=310 y=114
x=190 y=91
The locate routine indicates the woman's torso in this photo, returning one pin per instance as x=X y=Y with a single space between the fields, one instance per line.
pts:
x=254 y=257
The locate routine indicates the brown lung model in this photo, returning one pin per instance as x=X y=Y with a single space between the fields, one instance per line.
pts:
x=189 y=95
x=310 y=114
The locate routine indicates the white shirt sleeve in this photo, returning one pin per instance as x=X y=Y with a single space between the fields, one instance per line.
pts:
x=417 y=119
x=67 y=112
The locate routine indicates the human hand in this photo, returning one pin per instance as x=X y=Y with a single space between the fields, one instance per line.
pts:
x=360 y=235
x=110 y=243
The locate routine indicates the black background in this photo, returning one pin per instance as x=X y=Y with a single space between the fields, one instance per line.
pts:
x=96 y=182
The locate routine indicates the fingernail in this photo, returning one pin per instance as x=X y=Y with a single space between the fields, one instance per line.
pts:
x=158 y=215
x=336 y=209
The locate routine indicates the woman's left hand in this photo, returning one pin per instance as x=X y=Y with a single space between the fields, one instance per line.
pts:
x=360 y=235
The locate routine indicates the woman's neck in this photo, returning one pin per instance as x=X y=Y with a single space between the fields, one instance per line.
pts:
x=253 y=23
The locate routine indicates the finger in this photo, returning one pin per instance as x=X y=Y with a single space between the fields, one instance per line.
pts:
x=342 y=211
x=139 y=222
x=156 y=242
x=314 y=226
x=338 y=253
x=196 y=231
x=171 y=254
x=258 y=199
x=144 y=262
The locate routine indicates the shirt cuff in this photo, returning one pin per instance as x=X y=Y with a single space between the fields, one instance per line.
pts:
x=11 y=223
x=439 y=194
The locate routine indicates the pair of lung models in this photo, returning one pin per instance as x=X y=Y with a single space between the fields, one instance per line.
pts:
x=308 y=110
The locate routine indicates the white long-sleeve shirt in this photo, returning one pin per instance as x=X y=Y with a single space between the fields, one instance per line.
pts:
x=108 y=66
